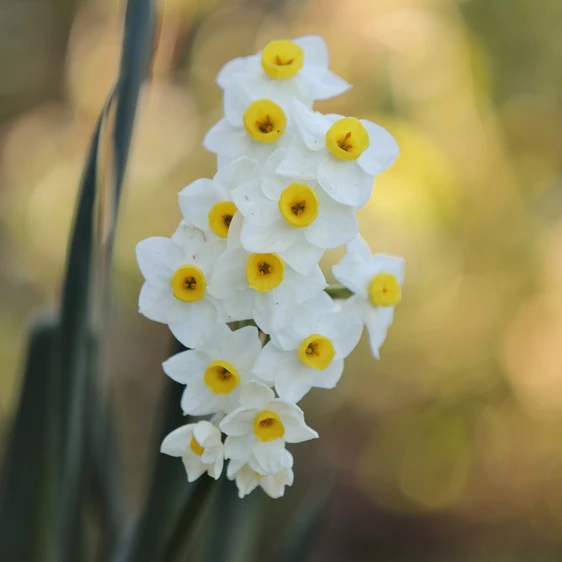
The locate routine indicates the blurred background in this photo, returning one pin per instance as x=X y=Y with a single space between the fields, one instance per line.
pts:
x=450 y=446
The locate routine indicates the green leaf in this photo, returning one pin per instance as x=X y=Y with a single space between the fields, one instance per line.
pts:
x=24 y=488
x=172 y=506
x=303 y=527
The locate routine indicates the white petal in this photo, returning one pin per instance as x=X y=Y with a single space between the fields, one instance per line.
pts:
x=246 y=482
x=389 y=264
x=357 y=307
x=355 y=276
x=185 y=366
x=176 y=442
x=228 y=141
x=358 y=249
x=329 y=86
x=194 y=468
x=201 y=319
x=300 y=163
x=239 y=423
x=269 y=456
x=233 y=467
x=242 y=348
x=277 y=236
x=296 y=430
x=378 y=321
x=273 y=184
x=198 y=400
x=315 y=51
x=312 y=125
x=233 y=238
x=344 y=329
x=345 y=182
x=189 y=238
x=207 y=255
x=302 y=256
x=158 y=259
x=235 y=66
x=274 y=484
x=236 y=173
x=215 y=470
x=306 y=287
x=290 y=389
x=206 y=434
x=239 y=306
x=229 y=274
x=235 y=103
x=328 y=377
x=335 y=224
x=382 y=152
x=239 y=447
x=248 y=193
x=269 y=360
x=196 y=200
x=272 y=310
x=255 y=395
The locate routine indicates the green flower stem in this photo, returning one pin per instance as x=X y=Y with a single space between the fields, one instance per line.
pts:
x=339 y=292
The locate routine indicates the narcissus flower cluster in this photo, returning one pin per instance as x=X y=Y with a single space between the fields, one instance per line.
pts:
x=238 y=283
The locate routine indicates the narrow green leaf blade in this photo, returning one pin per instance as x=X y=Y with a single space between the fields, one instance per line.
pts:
x=24 y=488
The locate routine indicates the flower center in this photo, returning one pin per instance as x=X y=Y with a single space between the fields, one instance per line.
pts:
x=347 y=139
x=268 y=426
x=264 y=272
x=220 y=217
x=196 y=448
x=188 y=283
x=221 y=377
x=385 y=290
x=265 y=121
x=316 y=351
x=282 y=59
x=299 y=205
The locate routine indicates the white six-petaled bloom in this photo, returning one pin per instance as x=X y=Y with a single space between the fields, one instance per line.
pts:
x=200 y=447
x=291 y=217
x=215 y=372
x=255 y=124
x=260 y=285
x=297 y=68
x=177 y=271
x=247 y=480
x=258 y=430
x=343 y=154
x=208 y=204
x=377 y=282
x=310 y=351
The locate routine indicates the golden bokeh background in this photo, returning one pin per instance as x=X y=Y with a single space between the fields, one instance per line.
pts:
x=450 y=446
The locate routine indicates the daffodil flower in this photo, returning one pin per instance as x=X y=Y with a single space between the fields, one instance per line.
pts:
x=260 y=285
x=295 y=68
x=208 y=204
x=177 y=271
x=310 y=351
x=343 y=154
x=247 y=479
x=258 y=430
x=199 y=446
x=215 y=372
x=291 y=217
x=377 y=282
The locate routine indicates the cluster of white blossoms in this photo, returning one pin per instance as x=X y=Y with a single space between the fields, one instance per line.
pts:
x=239 y=283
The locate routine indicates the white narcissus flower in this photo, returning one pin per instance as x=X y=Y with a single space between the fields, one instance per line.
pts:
x=377 y=282
x=291 y=217
x=258 y=430
x=208 y=204
x=343 y=153
x=215 y=372
x=255 y=124
x=310 y=351
x=297 y=68
x=260 y=285
x=247 y=480
x=200 y=447
x=177 y=271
